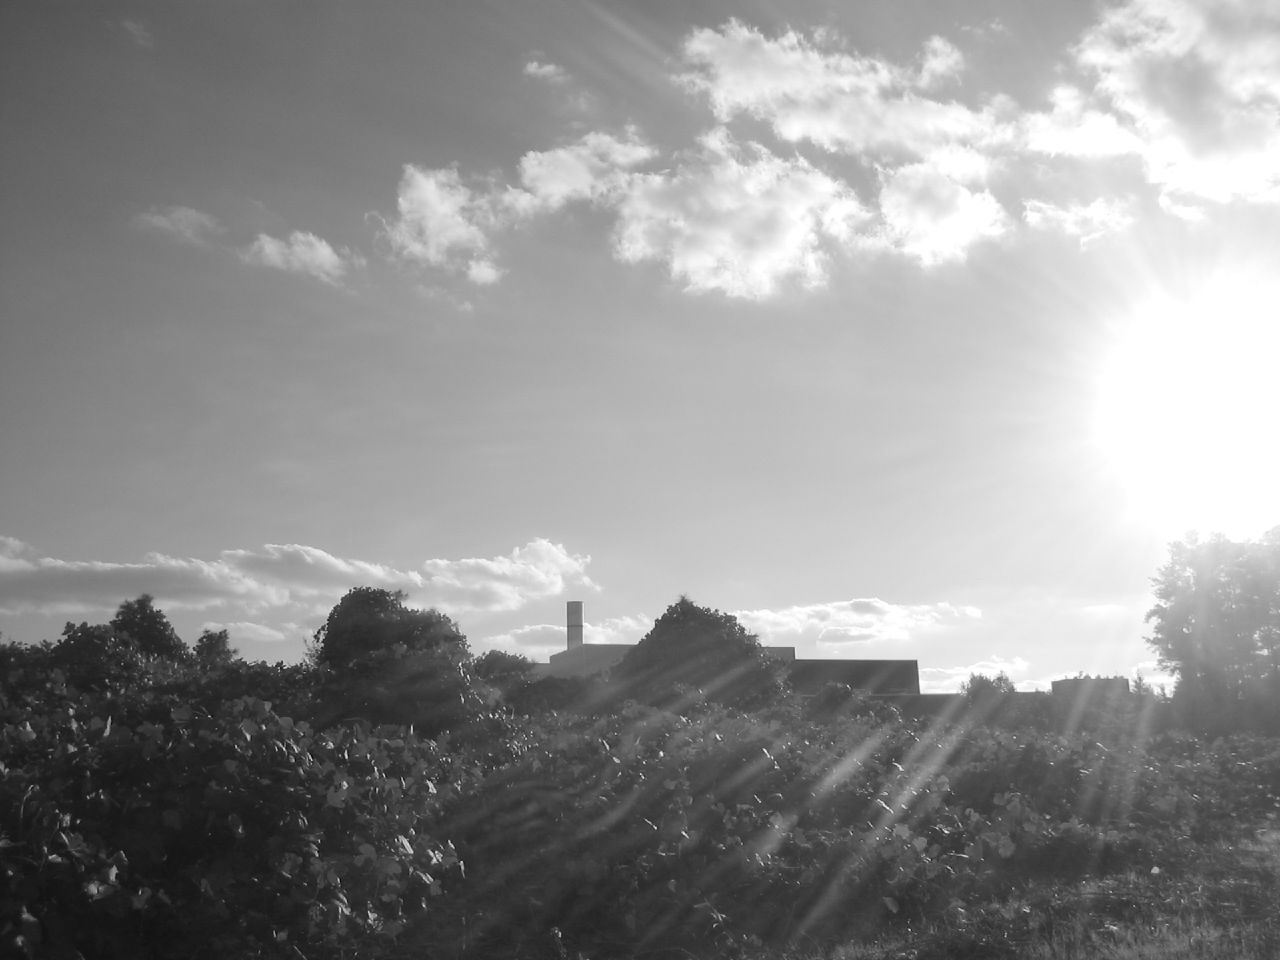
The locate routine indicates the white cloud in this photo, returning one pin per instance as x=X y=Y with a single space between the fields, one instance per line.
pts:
x=808 y=90
x=1088 y=222
x=140 y=33
x=183 y=223
x=1073 y=129
x=940 y=62
x=1199 y=82
x=442 y=222
x=852 y=621
x=593 y=168
x=931 y=217
x=48 y=585
x=535 y=571
x=550 y=72
x=738 y=220
x=277 y=575
x=301 y=253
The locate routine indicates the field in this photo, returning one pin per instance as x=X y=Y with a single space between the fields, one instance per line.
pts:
x=160 y=821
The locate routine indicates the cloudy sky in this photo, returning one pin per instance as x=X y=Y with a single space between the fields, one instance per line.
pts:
x=897 y=329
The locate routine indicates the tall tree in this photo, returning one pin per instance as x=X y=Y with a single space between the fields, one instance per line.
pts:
x=1216 y=624
x=371 y=620
x=150 y=631
x=695 y=646
x=213 y=648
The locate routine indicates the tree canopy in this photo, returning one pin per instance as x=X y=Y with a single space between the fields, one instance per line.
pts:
x=147 y=628
x=1216 y=624
x=369 y=620
x=695 y=646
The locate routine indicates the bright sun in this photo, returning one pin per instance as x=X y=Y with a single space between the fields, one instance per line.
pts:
x=1188 y=409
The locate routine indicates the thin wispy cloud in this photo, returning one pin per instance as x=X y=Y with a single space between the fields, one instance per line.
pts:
x=182 y=223
x=139 y=33
x=303 y=253
x=1087 y=222
x=853 y=621
x=810 y=89
x=278 y=576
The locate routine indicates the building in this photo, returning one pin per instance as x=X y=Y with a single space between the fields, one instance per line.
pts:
x=887 y=677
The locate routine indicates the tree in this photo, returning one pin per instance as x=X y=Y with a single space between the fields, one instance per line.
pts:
x=388 y=663
x=369 y=620
x=213 y=648
x=148 y=629
x=506 y=672
x=96 y=657
x=1216 y=625
x=981 y=688
x=695 y=646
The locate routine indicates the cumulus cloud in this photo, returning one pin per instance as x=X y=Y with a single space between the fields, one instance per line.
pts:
x=279 y=574
x=1088 y=222
x=443 y=222
x=807 y=89
x=537 y=570
x=301 y=253
x=183 y=223
x=852 y=621
x=941 y=61
x=593 y=168
x=738 y=220
x=550 y=72
x=932 y=217
x=1075 y=129
x=1198 y=82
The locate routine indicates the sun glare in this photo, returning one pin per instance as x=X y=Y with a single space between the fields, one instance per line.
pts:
x=1188 y=409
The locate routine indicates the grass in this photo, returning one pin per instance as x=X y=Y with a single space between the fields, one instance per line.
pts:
x=1222 y=903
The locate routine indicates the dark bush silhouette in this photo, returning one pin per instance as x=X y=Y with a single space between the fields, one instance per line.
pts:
x=702 y=649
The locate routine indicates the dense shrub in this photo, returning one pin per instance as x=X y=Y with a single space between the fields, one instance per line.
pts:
x=240 y=833
x=699 y=649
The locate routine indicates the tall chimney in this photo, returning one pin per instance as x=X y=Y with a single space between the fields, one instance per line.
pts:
x=573 y=613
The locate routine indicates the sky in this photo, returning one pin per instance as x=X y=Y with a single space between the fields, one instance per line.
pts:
x=897 y=329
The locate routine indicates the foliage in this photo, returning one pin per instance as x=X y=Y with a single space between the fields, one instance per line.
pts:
x=148 y=629
x=213 y=647
x=237 y=833
x=506 y=673
x=701 y=649
x=368 y=620
x=1216 y=623
x=172 y=808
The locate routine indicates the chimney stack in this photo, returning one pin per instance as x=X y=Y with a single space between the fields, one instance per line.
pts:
x=573 y=613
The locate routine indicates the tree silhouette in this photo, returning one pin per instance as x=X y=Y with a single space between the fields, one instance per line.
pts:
x=150 y=631
x=370 y=620
x=1216 y=624
x=697 y=647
